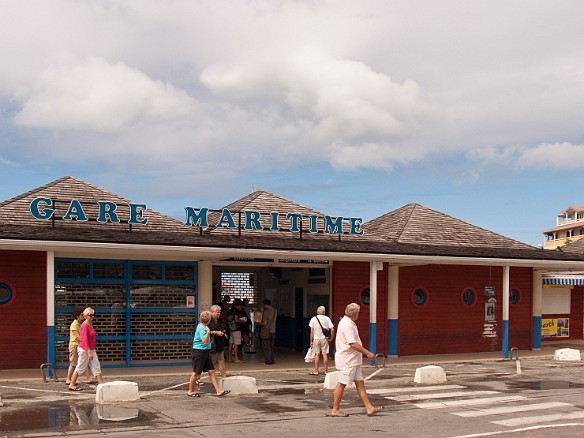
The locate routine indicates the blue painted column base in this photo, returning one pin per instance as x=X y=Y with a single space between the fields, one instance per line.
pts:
x=536 y=330
x=373 y=339
x=51 y=345
x=505 y=341
x=392 y=337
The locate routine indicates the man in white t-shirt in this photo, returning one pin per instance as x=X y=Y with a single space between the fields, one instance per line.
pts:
x=348 y=361
x=318 y=341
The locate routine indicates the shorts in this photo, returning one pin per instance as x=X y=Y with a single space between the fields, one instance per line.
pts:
x=320 y=346
x=73 y=355
x=349 y=375
x=217 y=356
x=83 y=362
x=235 y=337
x=201 y=361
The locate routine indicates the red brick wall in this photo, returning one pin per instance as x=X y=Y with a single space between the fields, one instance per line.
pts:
x=444 y=324
x=23 y=322
x=348 y=279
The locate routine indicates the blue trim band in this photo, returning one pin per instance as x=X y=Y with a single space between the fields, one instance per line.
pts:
x=51 y=356
x=373 y=338
x=392 y=337
x=536 y=332
x=505 y=340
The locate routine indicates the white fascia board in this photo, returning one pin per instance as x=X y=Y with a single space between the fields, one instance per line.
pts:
x=170 y=252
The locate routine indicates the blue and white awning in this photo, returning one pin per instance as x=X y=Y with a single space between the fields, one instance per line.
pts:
x=566 y=280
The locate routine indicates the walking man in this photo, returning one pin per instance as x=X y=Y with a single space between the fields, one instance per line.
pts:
x=348 y=361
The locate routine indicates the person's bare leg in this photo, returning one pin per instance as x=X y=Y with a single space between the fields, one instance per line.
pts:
x=316 y=361
x=229 y=351
x=222 y=369
x=73 y=383
x=69 y=374
x=360 y=386
x=193 y=382
x=338 y=395
x=99 y=379
x=325 y=362
x=214 y=382
x=236 y=353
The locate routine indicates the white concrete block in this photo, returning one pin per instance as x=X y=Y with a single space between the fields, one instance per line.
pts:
x=430 y=374
x=116 y=412
x=331 y=379
x=117 y=391
x=567 y=354
x=239 y=385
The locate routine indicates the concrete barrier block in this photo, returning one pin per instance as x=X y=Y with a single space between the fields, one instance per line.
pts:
x=116 y=412
x=567 y=354
x=430 y=374
x=116 y=391
x=331 y=379
x=239 y=385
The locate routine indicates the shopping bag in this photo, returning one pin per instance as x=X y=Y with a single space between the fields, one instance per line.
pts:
x=309 y=356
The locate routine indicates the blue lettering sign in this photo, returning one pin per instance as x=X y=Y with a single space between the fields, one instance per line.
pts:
x=252 y=220
x=294 y=219
x=40 y=211
x=227 y=219
x=274 y=215
x=75 y=212
x=107 y=210
x=197 y=217
x=137 y=214
x=333 y=226
x=356 y=226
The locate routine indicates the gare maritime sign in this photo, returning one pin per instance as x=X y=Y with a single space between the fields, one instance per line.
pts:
x=107 y=211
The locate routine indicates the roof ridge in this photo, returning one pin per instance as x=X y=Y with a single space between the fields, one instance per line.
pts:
x=412 y=206
x=30 y=192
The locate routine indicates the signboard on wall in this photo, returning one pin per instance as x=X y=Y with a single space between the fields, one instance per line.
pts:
x=552 y=328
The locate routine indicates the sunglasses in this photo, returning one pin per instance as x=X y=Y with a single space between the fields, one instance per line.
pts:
x=90 y=314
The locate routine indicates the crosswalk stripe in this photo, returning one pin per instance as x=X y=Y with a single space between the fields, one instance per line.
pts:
x=510 y=409
x=413 y=389
x=469 y=402
x=440 y=395
x=540 y=419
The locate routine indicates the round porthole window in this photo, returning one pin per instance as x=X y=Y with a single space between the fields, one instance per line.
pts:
x=468 y=297
x=364 y=295
x=514 y=295
x=6 y=293
x=419 y=296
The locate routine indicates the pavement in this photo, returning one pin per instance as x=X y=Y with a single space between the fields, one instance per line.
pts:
x=289 y=398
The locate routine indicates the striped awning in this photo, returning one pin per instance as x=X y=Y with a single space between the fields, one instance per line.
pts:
x=568 y=280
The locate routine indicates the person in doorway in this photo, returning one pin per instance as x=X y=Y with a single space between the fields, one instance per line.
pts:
x=74 y=329
x=86 y=351
x=219 y=340
x=201 y=356
x=268 y=331
x=348 y=361
x=236 y=321
x=318 y=341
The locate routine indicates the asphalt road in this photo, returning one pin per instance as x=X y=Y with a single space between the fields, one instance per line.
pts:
x=478 y=399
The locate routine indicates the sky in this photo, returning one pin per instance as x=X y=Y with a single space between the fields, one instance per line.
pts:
x=354 y=108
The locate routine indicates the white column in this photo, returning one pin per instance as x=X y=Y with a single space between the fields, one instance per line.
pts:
x=393 y=311
x=536 y=307
x=205 y=287
x=505 y=340
x=50 y=292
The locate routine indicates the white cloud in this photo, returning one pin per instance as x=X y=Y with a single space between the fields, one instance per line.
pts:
x=99 y=96
x=553 y=155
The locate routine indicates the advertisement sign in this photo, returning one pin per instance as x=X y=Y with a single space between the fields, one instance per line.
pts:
x=555 y=328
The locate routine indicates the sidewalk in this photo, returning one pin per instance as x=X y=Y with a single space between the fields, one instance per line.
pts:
x=293 y=360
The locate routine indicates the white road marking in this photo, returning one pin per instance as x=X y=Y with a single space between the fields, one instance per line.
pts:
x=523 y=429
x=510 y=409
x=413 y=389
x=469 y=402
x=520 y=421
x=440 y=395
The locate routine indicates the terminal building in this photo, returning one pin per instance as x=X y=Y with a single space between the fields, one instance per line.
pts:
x=427 y=283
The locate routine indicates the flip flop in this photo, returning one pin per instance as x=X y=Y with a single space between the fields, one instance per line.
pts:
x=313 y=374
x=75 y=388
x=194 y=394
x=340 y=414
x=376 y=410
x=223 y=393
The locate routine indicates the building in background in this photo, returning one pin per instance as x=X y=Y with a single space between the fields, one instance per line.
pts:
x=569 y=228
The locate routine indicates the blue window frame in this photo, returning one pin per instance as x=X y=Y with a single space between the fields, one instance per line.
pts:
x=6 y=293
x=468 y=297
x=419 y=296
x=514 y=295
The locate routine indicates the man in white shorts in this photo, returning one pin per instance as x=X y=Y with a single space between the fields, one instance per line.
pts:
x=318 y=341
x=348 y=361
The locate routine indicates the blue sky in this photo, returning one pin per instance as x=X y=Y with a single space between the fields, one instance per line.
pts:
x=352 y=108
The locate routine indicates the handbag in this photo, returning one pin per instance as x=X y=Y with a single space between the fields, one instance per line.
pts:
x=325 y=332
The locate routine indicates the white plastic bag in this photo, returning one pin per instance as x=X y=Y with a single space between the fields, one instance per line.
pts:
x=309 y=356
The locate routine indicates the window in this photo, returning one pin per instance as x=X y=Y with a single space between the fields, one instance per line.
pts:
x=514 y=295
x=6 y=293
x=364 y=295
x=419 y=296
x=468 y=297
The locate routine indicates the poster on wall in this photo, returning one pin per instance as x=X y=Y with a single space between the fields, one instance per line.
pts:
x=552 y=328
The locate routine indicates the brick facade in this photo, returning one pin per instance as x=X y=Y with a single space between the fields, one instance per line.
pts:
x=23 y=321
